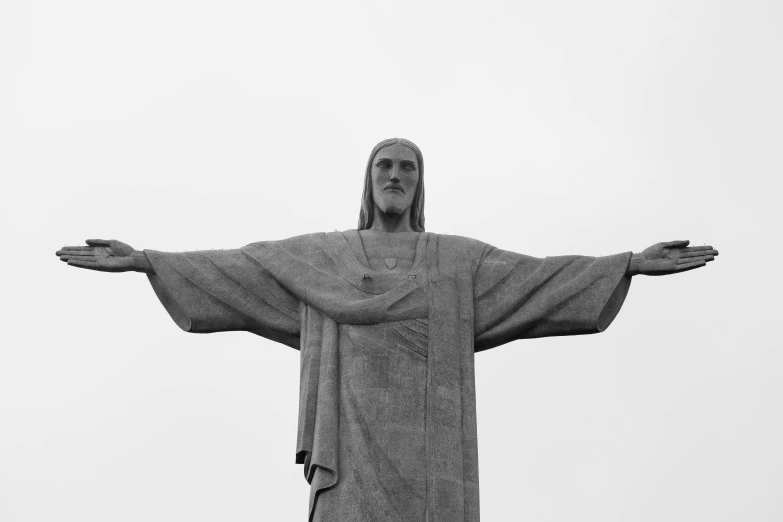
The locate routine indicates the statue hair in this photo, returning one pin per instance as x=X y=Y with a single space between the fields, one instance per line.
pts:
x=367 y=213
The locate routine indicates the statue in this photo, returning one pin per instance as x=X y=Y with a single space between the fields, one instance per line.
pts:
x=387 y=319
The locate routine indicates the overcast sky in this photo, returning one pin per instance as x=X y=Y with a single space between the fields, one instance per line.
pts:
x=547 y=128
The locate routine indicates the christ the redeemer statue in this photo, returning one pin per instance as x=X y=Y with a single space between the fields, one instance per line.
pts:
x=387 y=318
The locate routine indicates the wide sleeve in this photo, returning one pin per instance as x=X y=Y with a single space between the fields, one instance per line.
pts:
x=518 y=296
x=224 y=290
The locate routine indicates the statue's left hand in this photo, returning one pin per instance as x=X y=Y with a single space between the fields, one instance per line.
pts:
x=671 y=257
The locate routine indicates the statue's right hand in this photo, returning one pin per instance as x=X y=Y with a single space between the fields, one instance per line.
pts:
x=106 y=255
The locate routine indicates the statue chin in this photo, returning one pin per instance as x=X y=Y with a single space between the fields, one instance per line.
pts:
x=391 y=208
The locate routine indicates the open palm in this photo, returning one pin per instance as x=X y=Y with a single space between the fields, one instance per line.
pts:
x=105 y=255
x=673 y=257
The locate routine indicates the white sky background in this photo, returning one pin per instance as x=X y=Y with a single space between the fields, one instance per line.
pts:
x=547 y=128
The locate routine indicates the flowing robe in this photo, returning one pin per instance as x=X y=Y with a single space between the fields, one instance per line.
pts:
x=387 y=408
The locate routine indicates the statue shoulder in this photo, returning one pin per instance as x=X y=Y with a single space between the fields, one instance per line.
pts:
x=459 y=245
x=299 y=243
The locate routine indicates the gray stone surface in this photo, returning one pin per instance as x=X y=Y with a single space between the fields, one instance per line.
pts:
x=387 y=319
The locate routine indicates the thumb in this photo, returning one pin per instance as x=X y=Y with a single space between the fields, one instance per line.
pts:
x=677 y=244
x=99 y=242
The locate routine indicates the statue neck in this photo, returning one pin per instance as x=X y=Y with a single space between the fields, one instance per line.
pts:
x=383 y=222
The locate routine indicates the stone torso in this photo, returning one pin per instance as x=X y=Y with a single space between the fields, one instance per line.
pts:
x=389 y=251
x=382 y=370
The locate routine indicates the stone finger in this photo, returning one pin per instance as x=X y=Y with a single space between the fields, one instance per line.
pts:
x=68 y=257
x=690 y=260
x=690 y=266
x=698 y=253
x=67 y=249
x=82 y=264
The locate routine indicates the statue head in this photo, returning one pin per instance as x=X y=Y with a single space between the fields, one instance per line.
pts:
x=391 y=190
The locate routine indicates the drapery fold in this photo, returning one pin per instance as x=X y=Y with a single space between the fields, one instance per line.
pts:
x=317 y=445
x=523 y=297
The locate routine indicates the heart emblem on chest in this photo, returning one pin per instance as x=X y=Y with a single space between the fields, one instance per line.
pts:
x=391 y=264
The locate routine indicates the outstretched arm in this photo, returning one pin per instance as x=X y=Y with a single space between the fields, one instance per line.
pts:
x=671 y=257
x=106 y=255
x=206 y=291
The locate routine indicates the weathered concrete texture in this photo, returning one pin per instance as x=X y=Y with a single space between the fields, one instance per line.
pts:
x=387 y=424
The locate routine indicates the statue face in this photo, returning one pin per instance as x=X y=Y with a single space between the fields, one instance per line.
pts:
x=395 y=176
